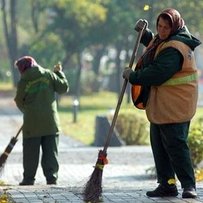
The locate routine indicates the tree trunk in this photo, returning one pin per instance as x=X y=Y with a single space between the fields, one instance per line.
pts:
x=97 y=59
x=11 y=36
x=118 y=68
x=34 y=14
x=77 y=85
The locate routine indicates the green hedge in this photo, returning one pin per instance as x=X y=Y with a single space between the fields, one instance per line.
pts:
x=195 y=141
x=133 y=128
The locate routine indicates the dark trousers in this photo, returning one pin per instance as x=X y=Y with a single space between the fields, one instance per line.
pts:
x=171 y=153
x=31 y=155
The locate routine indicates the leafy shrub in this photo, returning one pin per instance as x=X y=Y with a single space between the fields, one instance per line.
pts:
x=133 y=128
x=195 y=141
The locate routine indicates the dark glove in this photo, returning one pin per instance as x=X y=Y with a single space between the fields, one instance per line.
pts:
x=127 y=72
x=140 y=24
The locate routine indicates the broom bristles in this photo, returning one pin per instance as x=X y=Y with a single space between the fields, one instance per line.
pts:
x=6 y=152
x=2 y=162
x=93 y=188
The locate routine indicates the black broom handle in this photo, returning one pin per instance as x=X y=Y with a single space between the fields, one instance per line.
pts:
x=18 y=132
x=123 y=90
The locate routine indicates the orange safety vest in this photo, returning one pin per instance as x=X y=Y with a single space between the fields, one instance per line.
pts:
x=175 y=100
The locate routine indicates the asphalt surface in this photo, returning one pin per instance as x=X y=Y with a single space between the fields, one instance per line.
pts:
x=125 y=178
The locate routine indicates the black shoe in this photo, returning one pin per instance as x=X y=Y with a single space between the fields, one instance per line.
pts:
x=25 y=182
x=52 y=182
x=189 y=192
x=163 y=191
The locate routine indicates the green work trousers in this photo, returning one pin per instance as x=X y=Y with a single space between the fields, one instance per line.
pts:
x=49 y=153
x=171 y=153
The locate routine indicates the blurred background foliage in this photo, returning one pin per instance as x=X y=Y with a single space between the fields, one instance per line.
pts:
x=92 y=38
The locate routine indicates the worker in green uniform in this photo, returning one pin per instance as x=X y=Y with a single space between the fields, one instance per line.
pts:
x=36 y=98
x=168 y=75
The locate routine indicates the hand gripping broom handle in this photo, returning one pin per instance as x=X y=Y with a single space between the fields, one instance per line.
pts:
x=123 y=90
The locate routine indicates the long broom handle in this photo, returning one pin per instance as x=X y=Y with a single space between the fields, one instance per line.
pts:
x=18 y=132
x=134 y=54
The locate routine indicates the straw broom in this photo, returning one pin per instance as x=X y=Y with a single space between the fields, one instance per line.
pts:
x=8 y=150
x=93 y=188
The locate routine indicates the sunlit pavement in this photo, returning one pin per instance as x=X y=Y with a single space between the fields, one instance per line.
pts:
x=124 y=178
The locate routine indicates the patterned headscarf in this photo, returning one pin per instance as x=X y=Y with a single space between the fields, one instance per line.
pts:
x=25 y=63
x=176 y=23
x=176 y=20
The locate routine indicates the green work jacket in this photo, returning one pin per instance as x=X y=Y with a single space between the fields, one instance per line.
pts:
x=36 y=98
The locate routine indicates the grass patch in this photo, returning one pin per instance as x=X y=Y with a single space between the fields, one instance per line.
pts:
x=90 y=106
x=6 y=89
x=5 y=86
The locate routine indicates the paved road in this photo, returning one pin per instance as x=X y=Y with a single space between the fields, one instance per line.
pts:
x=124 y=178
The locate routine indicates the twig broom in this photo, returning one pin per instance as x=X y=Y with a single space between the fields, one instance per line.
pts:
x=8 y=150
x=93 y=188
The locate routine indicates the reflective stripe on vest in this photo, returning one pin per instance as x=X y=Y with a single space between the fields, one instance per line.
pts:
x=181 y=80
